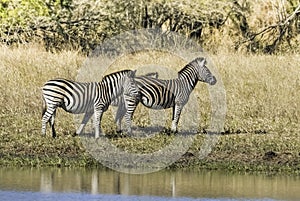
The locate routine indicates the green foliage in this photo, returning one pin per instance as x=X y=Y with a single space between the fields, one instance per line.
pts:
x=235 y=25
x=21 y=11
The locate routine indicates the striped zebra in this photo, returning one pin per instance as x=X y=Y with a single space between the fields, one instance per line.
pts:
x=162 y=94
x=125 y=103
x=88 y=98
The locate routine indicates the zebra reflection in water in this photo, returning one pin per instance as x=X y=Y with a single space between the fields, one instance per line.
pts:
x=162 y=94
x=88 y=98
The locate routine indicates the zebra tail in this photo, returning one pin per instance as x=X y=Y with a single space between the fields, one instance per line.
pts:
x=44 y=107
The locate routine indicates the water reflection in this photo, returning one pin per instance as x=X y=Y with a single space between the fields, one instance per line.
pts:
x=203 y=184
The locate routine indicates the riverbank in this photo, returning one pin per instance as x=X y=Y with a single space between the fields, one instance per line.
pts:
x=260 y=153
x=261 y=133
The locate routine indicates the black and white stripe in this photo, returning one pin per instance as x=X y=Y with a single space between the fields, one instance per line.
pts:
x=128 y=103
x=88 y=98
x=162 y=94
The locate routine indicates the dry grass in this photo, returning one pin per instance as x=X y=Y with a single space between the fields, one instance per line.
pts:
x=24 y=71
x=262 y=92
x=262 y=107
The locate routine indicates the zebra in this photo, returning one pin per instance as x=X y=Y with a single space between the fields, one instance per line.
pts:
x=124 y=105
x=162 y=94
x=90 y=97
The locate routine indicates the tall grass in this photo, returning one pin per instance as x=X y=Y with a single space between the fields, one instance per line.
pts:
x=262 y=92
x=262 y=106
x=24 y=71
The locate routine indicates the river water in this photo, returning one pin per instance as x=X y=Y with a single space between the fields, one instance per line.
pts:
x=53 y=184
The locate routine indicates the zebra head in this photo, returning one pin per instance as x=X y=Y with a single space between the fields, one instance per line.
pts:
x=130 y=88
x=203 y=73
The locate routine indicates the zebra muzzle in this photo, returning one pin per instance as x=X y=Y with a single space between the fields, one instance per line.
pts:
x=211 y=80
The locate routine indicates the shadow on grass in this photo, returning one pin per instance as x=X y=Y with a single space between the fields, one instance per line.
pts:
x=145 y=132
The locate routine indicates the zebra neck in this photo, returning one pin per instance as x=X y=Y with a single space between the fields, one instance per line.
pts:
x=189 y=79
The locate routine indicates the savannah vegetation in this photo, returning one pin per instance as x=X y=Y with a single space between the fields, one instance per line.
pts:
x=236 y=25
x=253 y=44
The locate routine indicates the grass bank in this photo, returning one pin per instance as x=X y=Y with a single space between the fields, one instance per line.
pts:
x=262 y=130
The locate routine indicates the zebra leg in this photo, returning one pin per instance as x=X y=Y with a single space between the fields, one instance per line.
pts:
x=45 y=120
x=98 y=112
x=84 y=121
x=51 y=122
x=131 y=104
x=44 y=125
x=176 y=115
x=120 y=114
x=46 y=117
x=126 y=107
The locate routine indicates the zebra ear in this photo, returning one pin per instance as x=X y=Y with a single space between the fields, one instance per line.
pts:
x=203 y=62
x=133 y=73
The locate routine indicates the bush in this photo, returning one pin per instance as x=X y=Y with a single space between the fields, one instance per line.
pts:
x=235 y=25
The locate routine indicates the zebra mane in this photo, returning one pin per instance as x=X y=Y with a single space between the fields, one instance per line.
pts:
x=122 y=72
x=190 y=65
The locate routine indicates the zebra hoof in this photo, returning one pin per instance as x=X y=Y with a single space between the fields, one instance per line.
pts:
x=169 y=132
x=173 y=132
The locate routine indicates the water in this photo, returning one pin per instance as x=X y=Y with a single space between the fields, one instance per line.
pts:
x=91 y=184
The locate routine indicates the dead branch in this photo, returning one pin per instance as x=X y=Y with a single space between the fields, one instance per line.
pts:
x=281 y=26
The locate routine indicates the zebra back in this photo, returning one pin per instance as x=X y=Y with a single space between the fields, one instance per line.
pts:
x=120 y=99
x=115 y=84
x=73 y=97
